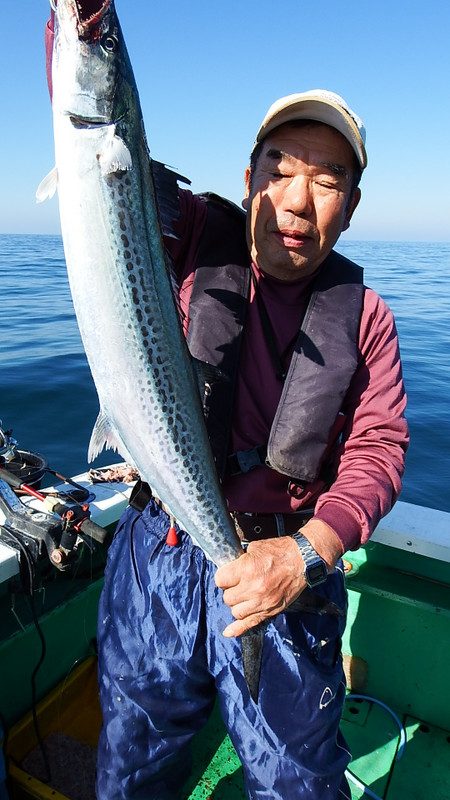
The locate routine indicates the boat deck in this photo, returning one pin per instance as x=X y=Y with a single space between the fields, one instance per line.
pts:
x=422 y=772
x=70 y=720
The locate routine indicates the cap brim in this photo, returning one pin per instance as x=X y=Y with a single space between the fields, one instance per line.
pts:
x=319 y=110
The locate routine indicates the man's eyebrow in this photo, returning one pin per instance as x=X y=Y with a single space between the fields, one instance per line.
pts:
x=336 y=169
x=278 y=155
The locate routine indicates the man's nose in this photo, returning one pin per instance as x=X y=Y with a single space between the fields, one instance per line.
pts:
x=298 y=197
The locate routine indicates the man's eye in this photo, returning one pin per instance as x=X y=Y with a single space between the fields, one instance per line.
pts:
x=325 y=184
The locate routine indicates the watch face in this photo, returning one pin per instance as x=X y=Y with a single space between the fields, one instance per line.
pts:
x=315 y=568
x=316 y=573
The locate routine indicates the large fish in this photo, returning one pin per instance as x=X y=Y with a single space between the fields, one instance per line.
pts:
x=119 y=274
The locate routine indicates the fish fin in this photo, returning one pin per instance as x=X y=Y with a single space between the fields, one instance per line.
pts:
x=115 y=155
x=165 y=180
x=207 y=374
x=175 y=287
x=47 y=186
x=104 y=436
x=252 y=646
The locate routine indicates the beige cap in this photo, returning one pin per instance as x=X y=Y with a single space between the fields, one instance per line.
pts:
x=322 y=106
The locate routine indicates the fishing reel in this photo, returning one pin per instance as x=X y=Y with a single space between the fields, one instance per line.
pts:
x=30 y=467
x=54 y=527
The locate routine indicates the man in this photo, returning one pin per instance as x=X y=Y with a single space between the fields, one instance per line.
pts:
x=305 y=417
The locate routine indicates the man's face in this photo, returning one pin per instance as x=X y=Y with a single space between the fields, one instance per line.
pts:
x=300 y=199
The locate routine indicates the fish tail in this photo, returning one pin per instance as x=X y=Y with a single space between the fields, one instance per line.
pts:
x=252 y=649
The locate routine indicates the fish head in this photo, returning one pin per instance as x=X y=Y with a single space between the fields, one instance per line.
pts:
x=93 y=82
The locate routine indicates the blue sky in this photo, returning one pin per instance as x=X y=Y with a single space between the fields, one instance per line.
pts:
x=207 y=72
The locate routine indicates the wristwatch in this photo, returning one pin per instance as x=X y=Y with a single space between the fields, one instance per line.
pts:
x=315 y=567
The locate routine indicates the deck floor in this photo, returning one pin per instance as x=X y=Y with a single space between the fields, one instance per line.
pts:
x=422 y=773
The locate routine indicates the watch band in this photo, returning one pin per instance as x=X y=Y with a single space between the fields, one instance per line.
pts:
x=316 y=571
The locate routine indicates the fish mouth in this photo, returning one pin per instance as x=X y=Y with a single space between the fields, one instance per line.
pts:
x=88 y=14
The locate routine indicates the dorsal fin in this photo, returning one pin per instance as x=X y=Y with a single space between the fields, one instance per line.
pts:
x=166 y=190
x=165 y=182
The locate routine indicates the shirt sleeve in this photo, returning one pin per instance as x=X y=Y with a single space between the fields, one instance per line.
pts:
x=370 y=462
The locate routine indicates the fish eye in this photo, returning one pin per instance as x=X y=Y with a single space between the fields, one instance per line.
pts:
x=109 y=43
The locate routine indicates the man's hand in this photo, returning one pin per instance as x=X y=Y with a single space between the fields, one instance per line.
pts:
x=262 y=582
x=269 y=576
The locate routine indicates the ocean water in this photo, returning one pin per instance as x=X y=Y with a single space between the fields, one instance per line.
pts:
x=49 y=400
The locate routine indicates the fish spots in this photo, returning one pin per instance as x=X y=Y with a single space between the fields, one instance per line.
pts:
x=132 y=278
x=125 y=240
x=122 y=223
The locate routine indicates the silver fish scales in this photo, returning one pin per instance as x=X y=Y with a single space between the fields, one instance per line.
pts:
x=150 y=409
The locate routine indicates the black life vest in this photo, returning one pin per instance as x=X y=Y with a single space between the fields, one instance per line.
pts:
x=325 y=354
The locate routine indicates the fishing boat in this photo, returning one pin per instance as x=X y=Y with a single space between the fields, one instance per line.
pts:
x=396 y=649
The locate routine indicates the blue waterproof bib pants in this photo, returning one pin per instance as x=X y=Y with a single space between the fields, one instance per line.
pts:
x=162 y=659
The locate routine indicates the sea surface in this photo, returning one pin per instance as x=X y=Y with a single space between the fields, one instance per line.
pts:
x=49 y=400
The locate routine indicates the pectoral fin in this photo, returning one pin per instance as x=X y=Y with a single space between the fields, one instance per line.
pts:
x=115 y=155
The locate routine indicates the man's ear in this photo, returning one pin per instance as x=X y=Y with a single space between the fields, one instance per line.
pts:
x=351 y=206
x=247 y=188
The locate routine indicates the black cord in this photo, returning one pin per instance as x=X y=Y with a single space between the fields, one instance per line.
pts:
x=5 y=730
x=85 y=493
x=35 y=619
